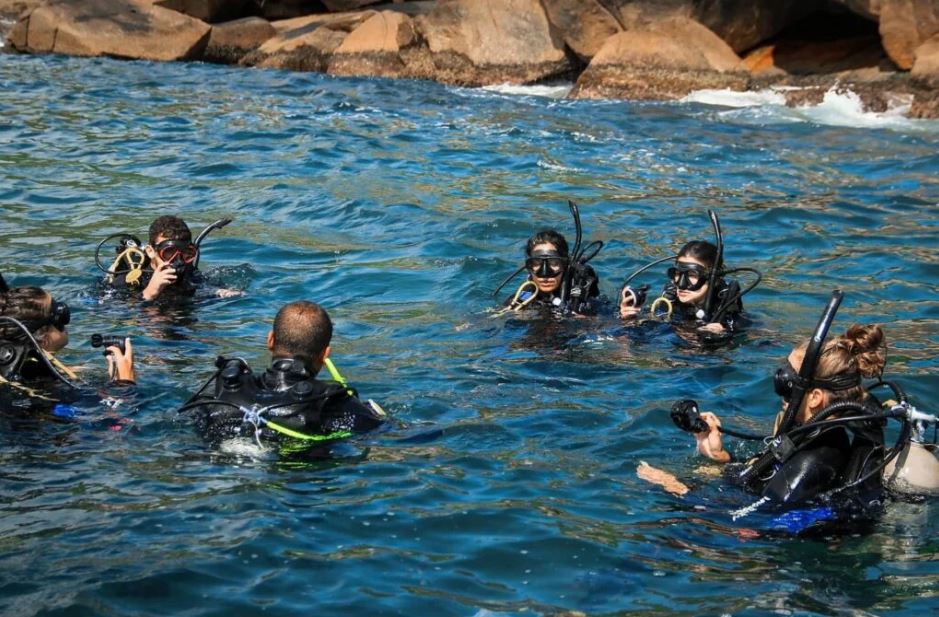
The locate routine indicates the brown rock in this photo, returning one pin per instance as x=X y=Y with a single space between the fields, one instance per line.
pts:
x=745 y=23
x=14 y=9
x=308 y=43
x=209 y=10
x=926 y=67
x=478 y=42
x=812 y=57
x=584 y=24
x=666 y=61
x=231 y=41
x=118 y=28
x=905 y=25
x=374 y=48
x=925 y=104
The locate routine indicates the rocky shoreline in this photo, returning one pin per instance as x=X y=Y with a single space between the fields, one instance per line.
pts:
x=883 y=50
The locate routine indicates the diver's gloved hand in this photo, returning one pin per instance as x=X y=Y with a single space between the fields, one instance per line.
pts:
x=631 y=300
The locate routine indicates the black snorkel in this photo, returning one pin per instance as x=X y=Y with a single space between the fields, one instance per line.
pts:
x=3 y=285
x=205 y=232
x=578 y=238
x=718 y=267
x=810 y=362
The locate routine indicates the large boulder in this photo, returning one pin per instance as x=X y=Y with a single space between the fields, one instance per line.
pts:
x=231 y=41
x=374 y=48
x=210 y=10
x=926 y=67
x=746 y=23
x=308 y=43
x=479 y=42
x=117 y=28
x=816 y=57
x=905 y=25
x=584 y=24
x=664 y=61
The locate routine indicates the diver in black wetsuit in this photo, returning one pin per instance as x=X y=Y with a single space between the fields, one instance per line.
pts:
x=828 y=442
x=558 y=278
x=697 y=291
x=286 y=400
x=165 y=267
x=32 y=328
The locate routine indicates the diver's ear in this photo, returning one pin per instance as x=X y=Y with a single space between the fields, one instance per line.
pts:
x=151 y=253
x=270 y=341
x=815 y=399
x=326 y=353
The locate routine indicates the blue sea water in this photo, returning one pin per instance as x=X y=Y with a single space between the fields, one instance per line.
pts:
x=505 y=483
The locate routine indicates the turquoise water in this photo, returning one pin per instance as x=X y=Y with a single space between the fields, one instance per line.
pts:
x=505 y=484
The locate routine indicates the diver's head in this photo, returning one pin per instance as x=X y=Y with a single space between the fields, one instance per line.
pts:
x=45 y=317
x=546 y=258
x=692 y=270
x=171 y=243
x=302 y=330
x=843 y=361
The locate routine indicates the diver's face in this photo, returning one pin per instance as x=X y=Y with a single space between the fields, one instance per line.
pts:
x=550 y=283
x=52 y=338
x=688 y=296
x=815 y=398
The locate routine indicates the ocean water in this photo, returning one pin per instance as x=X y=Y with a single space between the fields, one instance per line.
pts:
x=505 y=482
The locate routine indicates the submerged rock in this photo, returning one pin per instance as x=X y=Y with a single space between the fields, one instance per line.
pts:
x=119 y=28
x=480 y=42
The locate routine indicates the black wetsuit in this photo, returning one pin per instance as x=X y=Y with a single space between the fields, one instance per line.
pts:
x=730 y=317
x=585 y=294
x=835 y=457
x=285 y=394
x=181 y=288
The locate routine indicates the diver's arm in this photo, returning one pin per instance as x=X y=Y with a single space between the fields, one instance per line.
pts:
x=710 y=443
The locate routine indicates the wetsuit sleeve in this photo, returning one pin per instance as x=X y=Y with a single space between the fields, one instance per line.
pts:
x=806 y=475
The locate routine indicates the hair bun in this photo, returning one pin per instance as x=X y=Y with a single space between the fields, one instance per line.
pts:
x=868 y=344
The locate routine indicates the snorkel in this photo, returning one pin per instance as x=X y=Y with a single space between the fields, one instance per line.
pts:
x=813 y=351
x=205 y=232
x=718 y=266
x=3 y=285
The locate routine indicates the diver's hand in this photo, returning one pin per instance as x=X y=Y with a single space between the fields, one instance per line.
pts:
x=631 y=301
x=713 y=328
x=121 y=364
x=710 y=443
x=228 y=293
x=661 y=477
x=161 y=279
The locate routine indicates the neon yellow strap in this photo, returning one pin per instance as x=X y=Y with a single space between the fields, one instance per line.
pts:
x=289 y=432
x=334 y=372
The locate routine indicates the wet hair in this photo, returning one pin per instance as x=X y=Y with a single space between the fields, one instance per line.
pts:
x=170 y=228
x=302 y=330
x=547 y=236
x=701 y=250
x=861 y=349
x=30 y=305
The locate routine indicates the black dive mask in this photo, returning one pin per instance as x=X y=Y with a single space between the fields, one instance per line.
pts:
x=687 y=276
x=787 y=376
x=546 y=264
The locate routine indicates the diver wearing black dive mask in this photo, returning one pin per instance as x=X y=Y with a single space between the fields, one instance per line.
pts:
x=688 y=276
x=546 y=264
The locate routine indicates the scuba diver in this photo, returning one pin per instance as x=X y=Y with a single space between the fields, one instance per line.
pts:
x=558 y=278
x=32 y=328
x=286 y=400
x=166 y=266
x=697 y=290
x=827 y=448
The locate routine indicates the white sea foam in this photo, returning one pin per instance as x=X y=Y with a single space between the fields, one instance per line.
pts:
x=556 y=91
x=838 y=108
